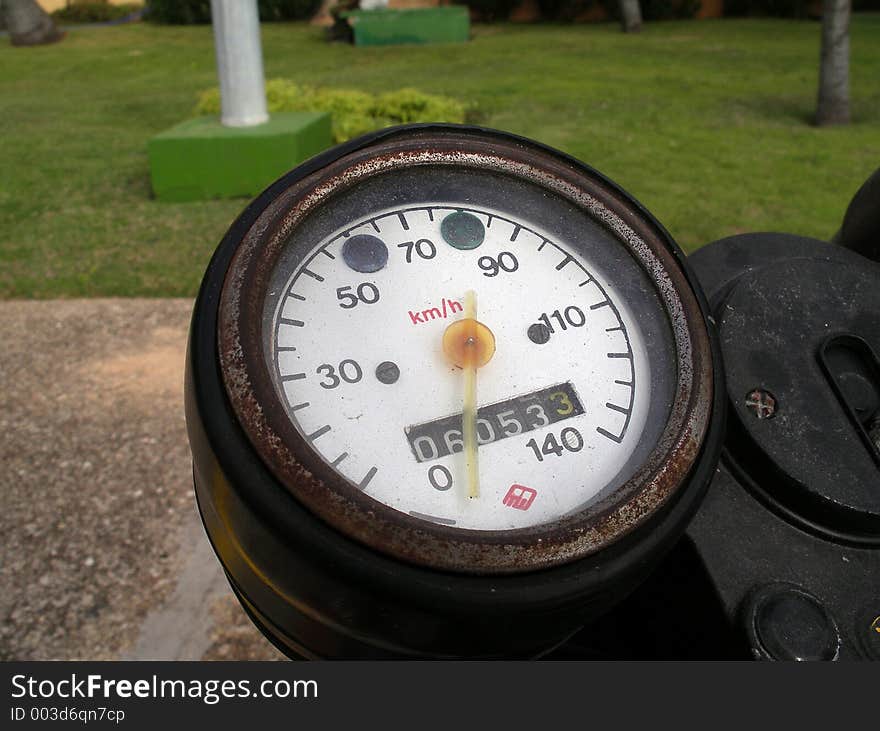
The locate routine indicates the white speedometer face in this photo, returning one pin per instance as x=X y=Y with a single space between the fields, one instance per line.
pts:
x=355 y=348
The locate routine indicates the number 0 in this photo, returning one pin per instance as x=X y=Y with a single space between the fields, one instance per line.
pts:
x=440 y=478
x=350 y=371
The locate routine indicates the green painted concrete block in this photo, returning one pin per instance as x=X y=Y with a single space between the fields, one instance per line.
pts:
x=200 y=158
x=451 y=24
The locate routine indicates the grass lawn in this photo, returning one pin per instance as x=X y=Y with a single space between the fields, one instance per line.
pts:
x=705 y=122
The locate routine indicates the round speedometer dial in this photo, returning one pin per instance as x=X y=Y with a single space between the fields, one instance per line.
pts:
x=450 y=393
x=563 y=398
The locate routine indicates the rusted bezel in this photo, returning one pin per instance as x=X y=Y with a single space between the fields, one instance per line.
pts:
x=339 y=502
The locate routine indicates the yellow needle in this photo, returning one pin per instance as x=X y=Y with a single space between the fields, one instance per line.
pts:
x=469 y=344
x=469 y=411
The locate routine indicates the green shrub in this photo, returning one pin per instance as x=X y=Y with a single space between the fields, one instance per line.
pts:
x=353 y=112
x=189 y=12
x=491 y=10
x=669 y=9
x=562 y=10
x=93 y=12
x=568 y=10
x=179 y=12
x=409 y=105
x=287 y=9
x=774 y=8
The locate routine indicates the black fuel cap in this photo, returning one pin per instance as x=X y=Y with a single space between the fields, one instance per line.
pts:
x=800 y=340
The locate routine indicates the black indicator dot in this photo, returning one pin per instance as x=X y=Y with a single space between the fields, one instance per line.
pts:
x=387 y=372
x=365 y=253
x=539 y=333
x=463 y=230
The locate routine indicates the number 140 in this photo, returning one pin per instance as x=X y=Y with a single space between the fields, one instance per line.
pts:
x=569 y=437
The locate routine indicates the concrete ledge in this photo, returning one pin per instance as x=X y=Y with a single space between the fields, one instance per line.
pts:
x=450 y=24
x=200 y=158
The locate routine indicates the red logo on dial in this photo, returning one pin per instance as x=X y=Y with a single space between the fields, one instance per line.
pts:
x=520 y=497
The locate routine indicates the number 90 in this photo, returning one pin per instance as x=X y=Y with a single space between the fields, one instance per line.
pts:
x=506 y=262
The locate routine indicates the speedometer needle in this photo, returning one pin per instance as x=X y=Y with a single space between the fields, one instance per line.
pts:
x=469 y=411
x=469 y=344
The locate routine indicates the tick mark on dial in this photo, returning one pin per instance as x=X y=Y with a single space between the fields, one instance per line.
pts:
x=313 y=275
x=293 y=377
x=387 y=372
x=516 y=230
x=339 y=459
x=613 y=437
x=320 y=432
x=369 y=476
x=403 y=222
x=539 y=333
x=297 y=407
x=432 y=518
x=295 y=323
x=365 y=253
x=604 y=303
x=565 y=261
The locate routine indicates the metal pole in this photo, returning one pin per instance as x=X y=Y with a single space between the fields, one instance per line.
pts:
x=239 y=62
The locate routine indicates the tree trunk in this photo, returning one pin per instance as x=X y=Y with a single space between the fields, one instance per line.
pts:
x=28 y=23
x=833 y=106
x=631 y=16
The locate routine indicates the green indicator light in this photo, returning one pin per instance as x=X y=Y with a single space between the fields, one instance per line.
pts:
x=463 y=230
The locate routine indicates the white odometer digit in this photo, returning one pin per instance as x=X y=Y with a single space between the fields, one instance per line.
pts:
x=450 y=393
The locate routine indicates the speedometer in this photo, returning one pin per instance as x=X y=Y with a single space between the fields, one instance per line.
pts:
x=457 y=356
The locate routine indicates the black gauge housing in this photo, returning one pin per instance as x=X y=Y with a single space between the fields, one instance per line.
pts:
x=317 y=567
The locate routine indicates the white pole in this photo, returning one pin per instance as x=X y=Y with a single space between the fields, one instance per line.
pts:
x=239 y=62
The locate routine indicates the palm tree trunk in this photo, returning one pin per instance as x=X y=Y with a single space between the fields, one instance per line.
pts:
x=28 y=23
x=631 y=16
x=833 y=106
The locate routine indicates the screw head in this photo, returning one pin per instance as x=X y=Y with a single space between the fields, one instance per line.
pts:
x=868 y=631
x=761 y=403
